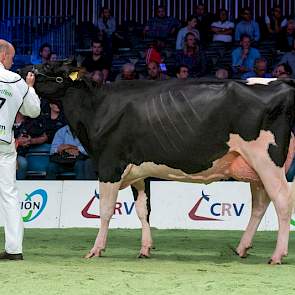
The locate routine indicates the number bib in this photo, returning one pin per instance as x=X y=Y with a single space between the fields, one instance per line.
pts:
x=10 y=102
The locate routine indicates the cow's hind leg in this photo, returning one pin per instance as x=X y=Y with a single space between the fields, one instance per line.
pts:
x=108 y=196
x=142 y=206
x=260 y=202
x=276 y=186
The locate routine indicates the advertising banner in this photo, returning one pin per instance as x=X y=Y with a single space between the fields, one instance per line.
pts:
x=80 y=206
x=40 y=203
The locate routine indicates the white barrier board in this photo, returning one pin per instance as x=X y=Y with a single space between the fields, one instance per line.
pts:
x=220 y=205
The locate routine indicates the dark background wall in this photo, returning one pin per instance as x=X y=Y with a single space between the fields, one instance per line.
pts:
x=138 y=10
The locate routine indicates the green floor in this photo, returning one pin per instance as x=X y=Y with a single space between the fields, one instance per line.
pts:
x=183 y=262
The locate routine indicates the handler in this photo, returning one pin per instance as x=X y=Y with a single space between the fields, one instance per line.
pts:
x=15 y=95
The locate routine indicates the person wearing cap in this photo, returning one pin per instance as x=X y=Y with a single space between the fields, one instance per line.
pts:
x=15 y=95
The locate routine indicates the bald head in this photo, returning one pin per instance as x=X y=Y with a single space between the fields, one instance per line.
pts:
x=7 y=53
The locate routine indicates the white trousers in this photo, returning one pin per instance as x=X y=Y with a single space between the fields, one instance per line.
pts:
x=9 y=201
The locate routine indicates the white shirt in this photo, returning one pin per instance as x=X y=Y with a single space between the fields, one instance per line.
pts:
x=15 y=95
x=222 y=25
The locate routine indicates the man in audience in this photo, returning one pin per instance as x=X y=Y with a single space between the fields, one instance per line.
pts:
x=44 y=54
x=260 y=70
x=243 y=57
x=54 y=120
x=128 y=72
x=289 y=58
x=222 y=74
x=204 y=21
x=282 y=70
x=97 y=61
x=28 y=132
x=222 y=29
x=182 y=72
x=247 y=26
x=161 y=26
x=155 y=73
x=70 y=156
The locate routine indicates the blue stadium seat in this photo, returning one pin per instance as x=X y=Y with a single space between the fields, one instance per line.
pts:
x=38 y=160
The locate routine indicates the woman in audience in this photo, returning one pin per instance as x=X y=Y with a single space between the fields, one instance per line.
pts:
x=192 y=56
x=190 y=27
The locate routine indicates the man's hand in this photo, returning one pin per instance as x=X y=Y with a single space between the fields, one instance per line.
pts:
x=24 y=140
x=30 y=79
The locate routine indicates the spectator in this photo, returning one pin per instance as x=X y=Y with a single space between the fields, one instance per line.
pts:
x=128 y=72
x=54 y=120
x=182 y=72
x=289 y=58
x=243 y=57
x=53 y=56
x=97 y=61
x=44 y=54
x=276 y=22
x=68 y=155
x=204 y=21
x=97 y=77
x=190 y=27
x=106 y=23
x=287 y=37
x=28 y=132
x=161 y=26
x=282 y=70
x=192 y=56
x=154 y=53
x=247 y=26
x=260 y=70
x=222 y=74
x=155 y=73
x=107 y=27
x=222 y=29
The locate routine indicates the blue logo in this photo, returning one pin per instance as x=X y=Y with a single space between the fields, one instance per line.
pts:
x=34 y=204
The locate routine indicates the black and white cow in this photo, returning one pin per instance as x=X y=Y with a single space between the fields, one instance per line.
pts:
x=192 y=131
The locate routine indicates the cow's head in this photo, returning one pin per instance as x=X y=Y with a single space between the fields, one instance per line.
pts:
x=52 y=79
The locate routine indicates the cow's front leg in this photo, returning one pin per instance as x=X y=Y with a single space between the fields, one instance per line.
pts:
x=260 y=202
x=108 y=196
x=142 y=210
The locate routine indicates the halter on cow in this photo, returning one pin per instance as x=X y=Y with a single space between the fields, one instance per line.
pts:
x=194 y=131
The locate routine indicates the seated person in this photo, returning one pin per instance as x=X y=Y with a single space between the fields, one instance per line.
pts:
x=247 y=26
x=154 y=52
x=222 y=29
x=260 y=70
x=282 y=70
x=190 y=27
x=192 y=56
x=182 y=72
x=27 y=132
x=222 y=74
x=243 y=57
x=97 y=61
x=155 y=72
x=128 y=72
x=44 y=54
x=66 y=145
x=286 y=38
x=160 y=26
x=289 y=58
x=54 y=120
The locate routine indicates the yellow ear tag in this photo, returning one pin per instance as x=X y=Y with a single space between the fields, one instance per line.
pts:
x=74 y=75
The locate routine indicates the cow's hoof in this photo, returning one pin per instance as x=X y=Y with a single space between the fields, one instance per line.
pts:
x=244 y=255
x=143 y=256
x=272 y=262
x=91 y=254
